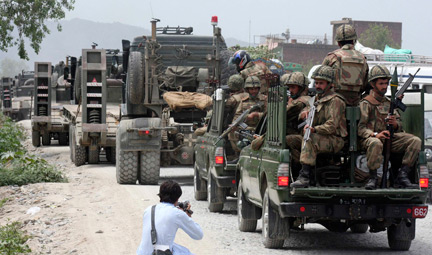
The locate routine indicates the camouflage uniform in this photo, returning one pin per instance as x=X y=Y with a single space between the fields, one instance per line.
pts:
x=257 y=68
x=294 y=138
x=374 y=109
x=350 y=65
x=330 y=128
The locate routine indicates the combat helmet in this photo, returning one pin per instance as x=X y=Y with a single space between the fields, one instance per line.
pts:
x=296 y=78
x=323 y=73
x=378 y=71
x=345 y=32
x=235 y=82
x=252 y=82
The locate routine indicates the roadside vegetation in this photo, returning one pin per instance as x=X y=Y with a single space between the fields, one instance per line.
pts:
x=17 y=166
x=13 y=239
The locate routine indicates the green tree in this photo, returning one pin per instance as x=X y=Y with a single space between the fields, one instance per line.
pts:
x=259 y=51
x=377 y=36
x=25 y=19
x=10 y=67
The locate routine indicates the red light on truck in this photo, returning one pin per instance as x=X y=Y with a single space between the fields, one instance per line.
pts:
x=233 y=181
x=219 y=159
x=424 y=182
x=214 y=20
x=302 y=209
x=143 y=132
x=409 y=211
x=283 y=181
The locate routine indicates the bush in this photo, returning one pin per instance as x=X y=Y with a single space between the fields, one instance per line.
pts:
x=13 y=239
x=17 y=167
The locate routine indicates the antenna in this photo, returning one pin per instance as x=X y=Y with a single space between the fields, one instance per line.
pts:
x=151 y=9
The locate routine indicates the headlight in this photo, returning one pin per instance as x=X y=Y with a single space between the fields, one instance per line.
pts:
x=428 y=153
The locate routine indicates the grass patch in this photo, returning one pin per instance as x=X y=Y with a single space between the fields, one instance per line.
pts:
x=17 y=166
x=13 y=239
x=3 y=201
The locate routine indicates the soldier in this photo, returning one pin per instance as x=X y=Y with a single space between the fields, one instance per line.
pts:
x=252 y=87
x=297 y=83
x=329 y=125
x=237 y=94
x=372 y=130
x=247 y=68
x=350 y=65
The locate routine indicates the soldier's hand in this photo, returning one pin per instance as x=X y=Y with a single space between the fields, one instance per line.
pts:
x=253 y=115
x=311 y=128
x=383 y=135
x=303 y=115
x=392 y=121
x=401 y=97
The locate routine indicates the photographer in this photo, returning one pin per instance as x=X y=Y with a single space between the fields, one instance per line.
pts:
x=168 y=218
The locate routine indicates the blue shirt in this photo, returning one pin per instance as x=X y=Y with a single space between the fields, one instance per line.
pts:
x=168 y=219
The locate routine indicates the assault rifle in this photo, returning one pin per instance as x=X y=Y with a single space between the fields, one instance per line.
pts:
x=247 y=134
x=309 y=121
x=394 y=104
x=239 y=122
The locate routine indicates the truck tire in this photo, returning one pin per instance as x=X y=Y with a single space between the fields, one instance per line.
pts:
x=244 y=225
x=226 y=69
x=359 y=228
x=80 y=155
x=46 y=139
x=200 y=186
x=77 y=84
x=63 y=138
x=110 y=153
x=93 y=154
x=149 y=167
x=269 y=221
x=398 y=236
x=36 y=138
x=135 y=78
x=126 y=166
x=215 y=195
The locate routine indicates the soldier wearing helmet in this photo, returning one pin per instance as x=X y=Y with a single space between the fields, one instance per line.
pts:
x=297 y=84
x=252 y=87
x=350 y=65
x=246 y=67
x=372 y=131
x=329 y=125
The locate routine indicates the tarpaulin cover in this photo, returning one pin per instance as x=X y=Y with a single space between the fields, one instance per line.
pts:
x=181 y=100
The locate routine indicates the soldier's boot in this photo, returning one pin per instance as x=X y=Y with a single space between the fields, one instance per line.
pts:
x=402 y=180
x=373 y=180
x=303 y=178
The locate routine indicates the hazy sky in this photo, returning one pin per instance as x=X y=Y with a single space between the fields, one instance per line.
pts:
x=307 y=17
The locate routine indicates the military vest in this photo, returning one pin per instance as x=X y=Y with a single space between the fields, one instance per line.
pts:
x=350 y=75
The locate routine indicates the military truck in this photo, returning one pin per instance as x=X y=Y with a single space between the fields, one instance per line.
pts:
x=150 y=132
x=47 y=120
x=6 y=96
x=93 y=121
x=336 y=199
x=23 y=93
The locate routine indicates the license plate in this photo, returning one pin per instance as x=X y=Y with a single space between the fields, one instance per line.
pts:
x=352 y=201
x=419 y=211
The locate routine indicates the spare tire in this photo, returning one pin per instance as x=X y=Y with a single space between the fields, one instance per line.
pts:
x=226 y=69
x=135 y=78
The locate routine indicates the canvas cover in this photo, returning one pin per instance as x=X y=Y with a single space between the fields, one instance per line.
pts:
x=180 y=100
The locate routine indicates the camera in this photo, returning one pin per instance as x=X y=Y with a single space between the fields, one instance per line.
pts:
x=184 y=205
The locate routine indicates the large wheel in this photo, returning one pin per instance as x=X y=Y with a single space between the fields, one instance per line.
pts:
x=200 y=186
x=269 y=223
x=399 y=236
x=93 y=154
x=77 y=84
x=63 y=138
x=149 y=167
x=135 y=78
x=110 y=153
x=226 y=69
x=215 y=195
x=80 y=155
x=36 y=138
x=126 y=165
x=46 y=139
x=244 y=225
x=359 y=228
